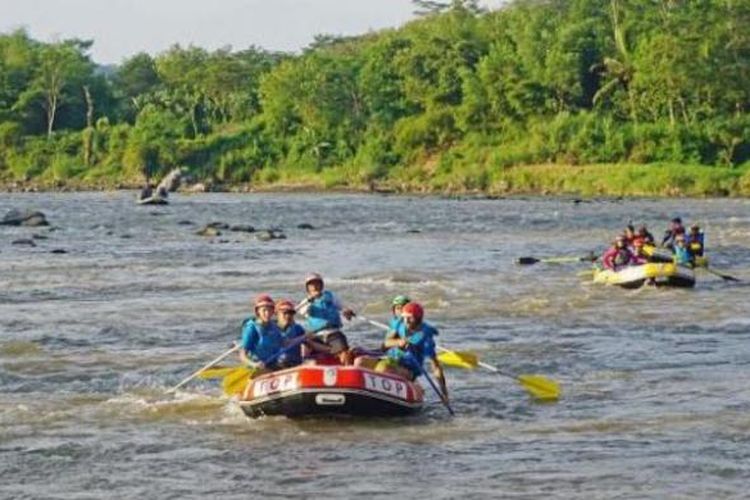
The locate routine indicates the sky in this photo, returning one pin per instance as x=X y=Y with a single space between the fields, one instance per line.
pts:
x=122 y=28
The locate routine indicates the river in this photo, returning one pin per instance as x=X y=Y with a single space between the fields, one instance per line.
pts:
x=656 y=382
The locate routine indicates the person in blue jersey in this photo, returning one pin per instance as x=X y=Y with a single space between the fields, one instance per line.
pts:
x=415 y=344
x=681 y=253
x=323 y=312
x=397 y=306
x=261 y=337
x=695 y=241
x=370 y=358
x=291 y=331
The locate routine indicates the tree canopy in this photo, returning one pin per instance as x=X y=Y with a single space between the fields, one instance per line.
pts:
x=555 y=81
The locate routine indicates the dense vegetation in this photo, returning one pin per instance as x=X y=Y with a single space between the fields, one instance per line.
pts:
x=459 y=99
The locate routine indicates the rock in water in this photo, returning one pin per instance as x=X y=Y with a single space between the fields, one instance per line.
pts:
x=28 y=218
x=24 y=241
x=270 y=234
x=208 y=231
x=242 y=228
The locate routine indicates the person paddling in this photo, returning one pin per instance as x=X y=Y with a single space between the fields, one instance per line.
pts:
x=147 y=191
x=629 y=234
x=324 y=310
x=415 y=344
x=675 y=228
x=397 y=306
x=291 y=330
x=618 y=255
x=695 y=241
x=639 y=255
x=261 y=337
x=161 y=192
x=681 y=253
x=645 y=235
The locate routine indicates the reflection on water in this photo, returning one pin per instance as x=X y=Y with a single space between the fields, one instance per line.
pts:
x=656 y=392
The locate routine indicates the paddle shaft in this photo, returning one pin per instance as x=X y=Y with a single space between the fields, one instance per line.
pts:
x=437 y=390
x=723 y=276
x=555 y=260
x=209 y=365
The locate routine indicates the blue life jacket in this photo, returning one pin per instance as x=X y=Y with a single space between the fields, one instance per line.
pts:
x=393 y=325
x=323 y=313
x=681 y=255
x=293 y=356
x=421 y=346
x=261 y=341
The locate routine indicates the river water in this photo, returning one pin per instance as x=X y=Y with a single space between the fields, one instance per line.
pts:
x=656 y=383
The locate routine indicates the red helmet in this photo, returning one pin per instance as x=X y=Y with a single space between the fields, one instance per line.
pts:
x=285 y=306
x=310 y=278
x=263 y=301
x=413 y=309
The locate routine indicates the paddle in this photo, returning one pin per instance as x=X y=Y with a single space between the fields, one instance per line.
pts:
x=218 y=372
x=539 y=386
x=458 y=359
x=528 y=261
x=727 y=277
x=434 y=386
x=209 y=365
x=235 y=380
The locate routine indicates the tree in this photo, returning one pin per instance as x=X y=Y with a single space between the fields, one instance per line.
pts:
x=62 y=69
x=137 y=76
x=619 y=72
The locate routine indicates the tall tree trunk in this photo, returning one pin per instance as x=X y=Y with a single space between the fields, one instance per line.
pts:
x=51 y=111
x=89 y=106
x=88 y=134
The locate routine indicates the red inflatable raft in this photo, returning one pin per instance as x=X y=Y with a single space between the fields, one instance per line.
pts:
x=326 y=390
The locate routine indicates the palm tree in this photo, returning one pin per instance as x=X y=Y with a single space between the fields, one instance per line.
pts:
x=619 y=72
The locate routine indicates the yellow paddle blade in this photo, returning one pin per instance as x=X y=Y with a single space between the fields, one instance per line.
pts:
x=218 y=372
x=455 y=359
x=540 y=387
x=236 y=381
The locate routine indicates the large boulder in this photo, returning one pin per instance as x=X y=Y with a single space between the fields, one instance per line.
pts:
x=171 y=181
x=27 y=218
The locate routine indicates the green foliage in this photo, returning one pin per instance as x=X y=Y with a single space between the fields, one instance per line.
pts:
x=459 y=99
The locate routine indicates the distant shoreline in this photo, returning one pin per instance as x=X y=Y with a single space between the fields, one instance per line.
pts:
x=587 y=181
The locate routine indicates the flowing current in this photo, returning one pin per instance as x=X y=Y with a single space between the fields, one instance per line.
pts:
x=656 y=382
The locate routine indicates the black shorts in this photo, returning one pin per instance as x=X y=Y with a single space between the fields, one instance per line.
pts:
x=336 y=341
